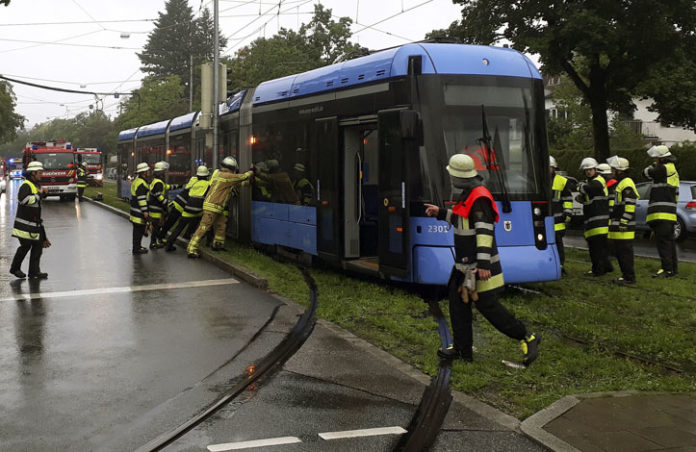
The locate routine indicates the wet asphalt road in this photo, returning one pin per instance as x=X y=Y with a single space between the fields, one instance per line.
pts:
x=113 y=351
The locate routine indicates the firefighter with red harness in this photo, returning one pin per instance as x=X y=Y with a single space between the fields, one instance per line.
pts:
x=477 y=276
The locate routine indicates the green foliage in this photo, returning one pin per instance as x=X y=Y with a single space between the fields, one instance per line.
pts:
x=10 y=120
x=176 y=39
x=603 y=46
x=154 y=101
x=316 y=44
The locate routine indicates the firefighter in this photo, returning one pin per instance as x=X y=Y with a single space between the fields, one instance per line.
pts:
x=81 y=179
x=223 y=182
x=595 y=208
x=662 y=207
x=622 y=223
x=193 y=207
x=477 y=275
x=157 y=204
x=28 y=225
x=176 y=207
x=302 y=186
x=139 y=213
x=561 y=207
x=605 y=170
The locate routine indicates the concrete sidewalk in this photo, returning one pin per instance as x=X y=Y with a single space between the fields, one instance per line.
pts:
x=616 y=421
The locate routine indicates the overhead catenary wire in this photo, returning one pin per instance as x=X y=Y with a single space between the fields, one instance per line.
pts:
x=64 y=90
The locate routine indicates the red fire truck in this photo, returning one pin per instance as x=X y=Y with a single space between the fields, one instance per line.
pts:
x=95 y=169
x=58 y=159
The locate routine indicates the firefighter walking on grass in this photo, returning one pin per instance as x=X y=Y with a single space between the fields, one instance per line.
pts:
x=622 y=223
x=222 y=183
x=561 y=207
x=139 y=213
x=477 y=275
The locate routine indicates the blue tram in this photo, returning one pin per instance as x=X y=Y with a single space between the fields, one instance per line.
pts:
x=349 y=153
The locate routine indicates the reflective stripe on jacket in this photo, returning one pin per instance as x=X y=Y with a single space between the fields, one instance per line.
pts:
x=81 y=178
x=596 y=207
x=623 y=215
x=157 y=198
x=664 y=193
x=561 y=202
x=196 y=195
x=138 y=207
x=221 y=185
x=27 y=224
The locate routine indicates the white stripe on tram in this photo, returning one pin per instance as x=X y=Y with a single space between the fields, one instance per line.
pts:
x=125 y=289
x=365 y=432
x=256 y=443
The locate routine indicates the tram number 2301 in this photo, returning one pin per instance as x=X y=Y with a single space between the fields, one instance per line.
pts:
x=438 y=229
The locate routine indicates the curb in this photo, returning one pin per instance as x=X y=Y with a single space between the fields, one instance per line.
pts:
x=480 y=408
x=533 y=425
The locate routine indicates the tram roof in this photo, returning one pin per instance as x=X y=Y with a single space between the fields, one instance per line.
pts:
x=233 y=104
x=125 y=135
x=153 y=129
x=438 y=58
x=182 y=122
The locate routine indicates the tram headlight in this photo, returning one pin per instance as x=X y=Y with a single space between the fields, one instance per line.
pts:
x=540 y=237
x=537 y=212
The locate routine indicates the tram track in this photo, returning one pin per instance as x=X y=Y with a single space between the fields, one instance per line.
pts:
x=272 y=362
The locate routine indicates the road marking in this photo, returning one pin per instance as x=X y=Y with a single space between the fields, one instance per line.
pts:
x=365 y=432
x=256 y=443
x=126 y=289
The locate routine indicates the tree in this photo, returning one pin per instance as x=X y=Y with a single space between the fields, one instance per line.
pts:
x=5 y=2
x=154 y=101
x=615 y=40
x=177 y=39
x=10 y=120
x=316 y=44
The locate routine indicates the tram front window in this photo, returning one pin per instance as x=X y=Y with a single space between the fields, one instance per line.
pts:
x=508 y=116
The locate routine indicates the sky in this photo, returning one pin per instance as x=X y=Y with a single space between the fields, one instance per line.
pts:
x=92 y=44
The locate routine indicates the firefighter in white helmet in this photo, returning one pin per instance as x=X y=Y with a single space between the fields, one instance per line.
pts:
x=28 y=225
x=561 y=207
x=139 y=212
x=595 y=200
x=157 y=204
x=477 y=275
x=193 y=206
x=622 y=223
x=222 y=183
x=662 y=207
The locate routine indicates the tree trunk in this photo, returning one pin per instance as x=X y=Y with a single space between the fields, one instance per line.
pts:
x=599 y=105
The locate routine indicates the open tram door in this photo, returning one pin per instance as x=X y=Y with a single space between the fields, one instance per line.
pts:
x=400 y=136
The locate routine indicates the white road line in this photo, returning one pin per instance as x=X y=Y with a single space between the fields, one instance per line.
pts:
x=256 y=443
x=365 y=432
x=126 y=289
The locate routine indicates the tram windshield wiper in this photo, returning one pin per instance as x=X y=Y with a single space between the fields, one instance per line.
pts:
x=494 y=164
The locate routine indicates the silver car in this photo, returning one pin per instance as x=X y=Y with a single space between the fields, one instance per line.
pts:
x=686 y=208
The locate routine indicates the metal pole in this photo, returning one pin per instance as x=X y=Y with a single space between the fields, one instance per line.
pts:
x=216 y=82
x=191 y=83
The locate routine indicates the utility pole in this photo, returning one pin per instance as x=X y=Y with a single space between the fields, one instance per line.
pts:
x=216 y=81
x=190 y=83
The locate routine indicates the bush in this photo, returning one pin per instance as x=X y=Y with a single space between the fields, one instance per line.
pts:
x=569 y=161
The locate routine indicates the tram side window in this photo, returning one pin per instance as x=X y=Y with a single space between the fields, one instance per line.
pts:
x=283 y=165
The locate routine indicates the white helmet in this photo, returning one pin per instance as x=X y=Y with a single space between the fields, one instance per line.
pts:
x=658 y=152
x=34 y=166
x=461 y=165
x=229 y=162
x=604 y=169
x=202 y=171
x=142 y=167
x=588 y=163
x=618 y=163
x=161 y=166
x=552 y=162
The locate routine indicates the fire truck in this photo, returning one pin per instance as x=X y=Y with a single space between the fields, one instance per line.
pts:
x=95 y=169
x=58 y=159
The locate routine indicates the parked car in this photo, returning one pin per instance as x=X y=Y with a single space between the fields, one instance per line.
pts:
x=686 y=208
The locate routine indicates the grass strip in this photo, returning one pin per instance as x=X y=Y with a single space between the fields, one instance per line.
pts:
x=654 y=320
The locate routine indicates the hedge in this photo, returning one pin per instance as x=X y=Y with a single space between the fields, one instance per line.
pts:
x=569 y=161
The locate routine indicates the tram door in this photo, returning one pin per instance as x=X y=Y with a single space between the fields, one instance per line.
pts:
x=399 y=132
x=328 y=189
